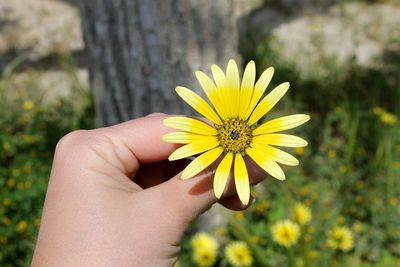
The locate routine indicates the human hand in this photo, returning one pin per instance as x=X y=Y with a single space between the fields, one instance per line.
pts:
x=113 y=199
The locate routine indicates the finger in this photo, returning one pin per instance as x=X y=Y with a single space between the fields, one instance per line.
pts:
x=190 y=198
x=234 y=203
x=139 y=141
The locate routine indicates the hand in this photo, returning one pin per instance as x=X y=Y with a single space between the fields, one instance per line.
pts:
x=113 y=199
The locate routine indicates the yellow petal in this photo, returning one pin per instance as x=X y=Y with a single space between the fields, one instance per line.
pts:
x=189 y=125
x=264 y=160
x=198 y=103
x=259 y=89
x=241 y=179
x=284 y=140
x=246 y=89
x=193 y=149
x=220 y=81
x=211 y=91
x=222 y=174
x=218 y=75
x=281 y=124
x=201 y=162
x=276 y=154
x=268 y=102
x=232 y=87
x=185 y=138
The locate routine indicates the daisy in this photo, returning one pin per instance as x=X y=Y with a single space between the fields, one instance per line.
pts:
x=238 y=254
x=236 y=107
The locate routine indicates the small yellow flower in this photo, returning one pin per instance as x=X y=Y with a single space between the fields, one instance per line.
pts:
x=357 y=226
x=22 y=226
x=239 y=215
x=302 y=214
x=203 y=240
x=27 y=168
x=6 y=220
x=304 y=190
x=307 y=237
x=393 y=201
x=388 y=118
x=6 y=146
x=299 y=151
x=340 y=238
x=6 y=202
x=238 y=254
x=28 y=184
x=331 y=153
x=204 y=257
x=220 y=231
x=28 y=105
x=286 y=233
x=378 y=110
x=234 y=132
x=312 y=254
x=205 y=249
x=15 y=172
x=359 y=199
x=11 y=182
x=261 y=208
x=340 y=219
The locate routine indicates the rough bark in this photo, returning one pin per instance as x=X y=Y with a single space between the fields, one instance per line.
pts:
x=140 y=50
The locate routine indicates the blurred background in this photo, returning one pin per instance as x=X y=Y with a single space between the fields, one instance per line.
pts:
x=73 y=64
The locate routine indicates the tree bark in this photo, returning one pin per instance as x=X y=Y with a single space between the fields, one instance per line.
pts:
x=140 y=50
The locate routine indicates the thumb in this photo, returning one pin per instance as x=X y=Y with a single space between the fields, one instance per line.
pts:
x=188 y=198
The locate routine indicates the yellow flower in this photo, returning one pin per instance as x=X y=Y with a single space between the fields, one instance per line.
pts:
x=234 y=132
x=378 y=111
x=205 y=249
x=22 y=226
x=11 y=182
x=388 y=118
x=302 y=214
x=6 y=202
x=393 y=201
x=286 y=233
x=220 y=231
x=239 y=215
x=238 y=254
x=28 y=184
x=299 y=151
x=204 y=257
x=6 y=220
x=312 y=254
x=340 y=238
x=6 y=146
x=203 y=240
x=340 y=219
x=331 y=153
x=28 y=105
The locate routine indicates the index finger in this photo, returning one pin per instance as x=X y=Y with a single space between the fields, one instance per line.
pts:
x=142 y=137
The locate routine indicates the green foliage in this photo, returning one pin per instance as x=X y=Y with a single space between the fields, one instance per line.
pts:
x=30 y=129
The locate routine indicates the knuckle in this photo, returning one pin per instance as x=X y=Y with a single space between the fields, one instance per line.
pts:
x=70 y=141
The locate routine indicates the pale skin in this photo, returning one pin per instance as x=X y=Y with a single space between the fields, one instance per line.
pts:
x=113 y=199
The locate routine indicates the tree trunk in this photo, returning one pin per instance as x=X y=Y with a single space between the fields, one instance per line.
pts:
x=140 y=50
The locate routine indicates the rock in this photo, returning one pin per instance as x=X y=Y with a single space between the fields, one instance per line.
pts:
x=38 y=28
x=356 y=33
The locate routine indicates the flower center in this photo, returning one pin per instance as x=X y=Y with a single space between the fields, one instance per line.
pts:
x=234 y=135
